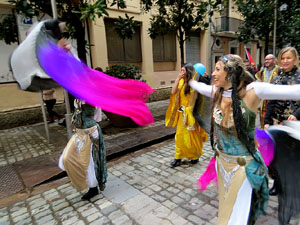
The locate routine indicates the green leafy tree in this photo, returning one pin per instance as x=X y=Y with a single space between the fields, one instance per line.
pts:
x=9 y=30
x=288 y=24
x=180 y=16
x=125 y=27
x=259 y=21
x=73 y=12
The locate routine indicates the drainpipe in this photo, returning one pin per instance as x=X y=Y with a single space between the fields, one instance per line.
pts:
x=210 y=40
x=275 y=27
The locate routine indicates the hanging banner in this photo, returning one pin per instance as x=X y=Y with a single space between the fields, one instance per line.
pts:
x=250 y=58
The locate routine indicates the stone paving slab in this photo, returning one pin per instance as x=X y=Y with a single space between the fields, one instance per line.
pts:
x=27 y=152
x=20 y=143
x=118 y=191
x=145 y=210
x=35 y=170
x=142 y=189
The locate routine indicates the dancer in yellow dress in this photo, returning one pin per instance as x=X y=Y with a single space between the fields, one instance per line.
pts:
x=189 y=136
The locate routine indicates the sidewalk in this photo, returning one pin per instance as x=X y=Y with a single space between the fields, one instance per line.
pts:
x=141 y=189
x=27 y=159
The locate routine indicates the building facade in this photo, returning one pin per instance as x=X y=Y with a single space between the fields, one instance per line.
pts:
x=158 y=58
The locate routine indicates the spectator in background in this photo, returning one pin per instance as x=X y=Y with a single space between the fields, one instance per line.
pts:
x=49 y=97
x=249 y=67
x=280 y=110
x=267 y=74
x=269 y=70
x=207 y=77
x=277 y=111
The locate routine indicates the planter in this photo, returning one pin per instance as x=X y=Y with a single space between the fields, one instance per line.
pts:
x=119 y=120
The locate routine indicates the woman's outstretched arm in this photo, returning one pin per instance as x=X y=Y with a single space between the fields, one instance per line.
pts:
x=275 y=92
x=202 y=88
x=257 y=91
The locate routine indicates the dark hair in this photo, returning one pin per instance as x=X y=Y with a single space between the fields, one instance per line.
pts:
x=239 y=78
x=189 y=75
x=52 y=28
x=99 y=69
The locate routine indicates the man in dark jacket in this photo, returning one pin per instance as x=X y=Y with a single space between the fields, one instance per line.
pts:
x=249 y=67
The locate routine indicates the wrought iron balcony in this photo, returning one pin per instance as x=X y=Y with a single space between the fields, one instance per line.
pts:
x=229 y=24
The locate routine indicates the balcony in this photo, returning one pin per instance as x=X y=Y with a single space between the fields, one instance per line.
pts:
x=228 y=24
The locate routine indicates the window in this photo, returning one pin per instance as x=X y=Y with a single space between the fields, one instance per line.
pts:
x=119 y=50
x=192 y=48
x=233 y=50
x=164 y=48
x=217 y=58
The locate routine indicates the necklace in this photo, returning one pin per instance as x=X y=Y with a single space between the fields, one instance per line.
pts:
x=227 y=93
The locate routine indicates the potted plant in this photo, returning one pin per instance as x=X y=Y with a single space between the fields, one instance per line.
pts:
x=123 y=72
x=126 y=71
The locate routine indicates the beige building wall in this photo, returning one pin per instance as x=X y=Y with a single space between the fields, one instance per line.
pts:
x=204 y=50
x=4 y=3
x=18 y=99
x=157 y=75
x=99 y=48
x=12 y=98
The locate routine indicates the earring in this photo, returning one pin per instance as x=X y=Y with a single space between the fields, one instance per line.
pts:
x=228 y=78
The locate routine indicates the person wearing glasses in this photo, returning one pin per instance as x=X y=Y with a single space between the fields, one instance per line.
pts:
x=241 y=171
x=267 y=74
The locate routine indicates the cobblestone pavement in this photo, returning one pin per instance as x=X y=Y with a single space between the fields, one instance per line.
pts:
x=26 y=142
x=141 y=189
x=21 y=143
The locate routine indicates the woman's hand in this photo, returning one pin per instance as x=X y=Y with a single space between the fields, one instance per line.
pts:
x=266 y=126
x=292 y=117
x=64 y=44
x=180 y=76
x=175 y=86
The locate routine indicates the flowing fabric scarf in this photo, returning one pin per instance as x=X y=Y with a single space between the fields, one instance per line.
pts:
x=121 y=96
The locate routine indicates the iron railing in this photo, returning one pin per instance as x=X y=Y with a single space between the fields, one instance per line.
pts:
x=226 y=23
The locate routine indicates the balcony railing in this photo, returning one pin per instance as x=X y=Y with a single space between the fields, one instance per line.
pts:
x=226 y=23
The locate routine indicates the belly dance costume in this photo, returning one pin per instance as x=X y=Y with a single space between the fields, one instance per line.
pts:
x=242 y=177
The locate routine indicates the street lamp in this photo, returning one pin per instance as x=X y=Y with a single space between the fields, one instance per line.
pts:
x=281 y=8
x=275 y=27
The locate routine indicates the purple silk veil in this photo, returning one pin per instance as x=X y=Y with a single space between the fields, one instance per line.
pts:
x=121 y=96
